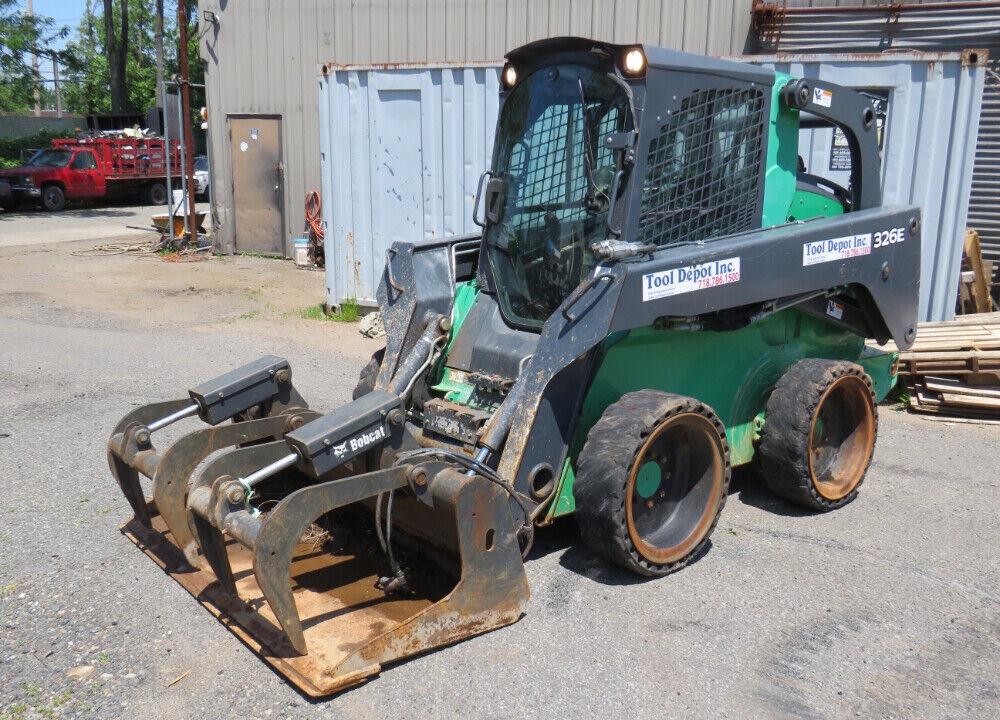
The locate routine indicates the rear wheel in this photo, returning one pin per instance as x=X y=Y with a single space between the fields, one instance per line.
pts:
x=53 y=198
x=651 y=481
x=819 y=434
x=156 y=193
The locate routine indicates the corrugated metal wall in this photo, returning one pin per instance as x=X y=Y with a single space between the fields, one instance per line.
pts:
x=262 y=57
x=929 y=25
x=984 y=204
x=928 y=148
x=402 y=150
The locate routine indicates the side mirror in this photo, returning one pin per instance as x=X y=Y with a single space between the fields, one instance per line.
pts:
x=496 y=198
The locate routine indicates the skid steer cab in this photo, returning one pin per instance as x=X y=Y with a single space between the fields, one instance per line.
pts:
x=659 y=293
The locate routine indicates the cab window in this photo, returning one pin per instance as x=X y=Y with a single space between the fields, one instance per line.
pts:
x=84 y=160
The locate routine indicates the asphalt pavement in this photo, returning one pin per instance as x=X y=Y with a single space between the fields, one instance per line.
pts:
x=113 y=222
x=887 y=608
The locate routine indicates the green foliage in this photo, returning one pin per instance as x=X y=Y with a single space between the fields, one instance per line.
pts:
x=348 y=312
x=86 y=77
x=19 y=34
x=10 y=148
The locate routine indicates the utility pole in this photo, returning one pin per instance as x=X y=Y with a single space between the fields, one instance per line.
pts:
x=30 y=12
x=55 y=80
x=182 y=22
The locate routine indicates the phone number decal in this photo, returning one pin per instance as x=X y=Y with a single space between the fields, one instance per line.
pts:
x=688 y=279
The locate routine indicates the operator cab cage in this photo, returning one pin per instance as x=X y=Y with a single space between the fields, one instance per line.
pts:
x=600 y=142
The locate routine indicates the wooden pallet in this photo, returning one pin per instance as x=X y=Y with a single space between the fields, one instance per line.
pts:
x=954 y=367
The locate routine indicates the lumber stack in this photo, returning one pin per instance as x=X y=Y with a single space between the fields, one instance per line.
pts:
x=954 y=367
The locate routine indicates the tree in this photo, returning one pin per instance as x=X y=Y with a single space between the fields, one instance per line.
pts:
x=20 y=34
x=116 y=50
x=158 y=40
x=85 y=89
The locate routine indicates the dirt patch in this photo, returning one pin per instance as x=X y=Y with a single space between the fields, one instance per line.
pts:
x=141 y=289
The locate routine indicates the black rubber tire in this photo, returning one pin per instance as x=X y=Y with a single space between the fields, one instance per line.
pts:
x=366 y=379
x=819 y=433
x=53 y=198
x=676 y=433
x=156 y=193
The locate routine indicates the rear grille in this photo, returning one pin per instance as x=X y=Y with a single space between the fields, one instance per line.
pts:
x=702 y=170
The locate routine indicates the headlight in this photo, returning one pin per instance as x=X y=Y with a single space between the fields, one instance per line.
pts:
x=509 y=76
x=634 y=62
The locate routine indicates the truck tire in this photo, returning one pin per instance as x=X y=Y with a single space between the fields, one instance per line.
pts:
x=366 y=379
x=53 y=198
x=651 y=481
x=156 y=193
x=819 y=433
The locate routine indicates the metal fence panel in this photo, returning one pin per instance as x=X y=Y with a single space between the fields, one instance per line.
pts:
x=401 y=151
x=933 y=108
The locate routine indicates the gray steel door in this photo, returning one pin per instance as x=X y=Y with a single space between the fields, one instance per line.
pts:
x=258 y=184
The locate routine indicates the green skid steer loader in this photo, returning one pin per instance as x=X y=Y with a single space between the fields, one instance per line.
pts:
x=659 y=293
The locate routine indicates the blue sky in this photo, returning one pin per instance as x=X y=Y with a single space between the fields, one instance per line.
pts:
x=65 y=12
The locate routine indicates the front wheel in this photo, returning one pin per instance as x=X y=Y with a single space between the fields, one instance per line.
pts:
x=53 y=198
x=651 y=481
x=819 y=433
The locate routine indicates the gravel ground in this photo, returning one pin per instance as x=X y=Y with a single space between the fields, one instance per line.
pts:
x=887 y=608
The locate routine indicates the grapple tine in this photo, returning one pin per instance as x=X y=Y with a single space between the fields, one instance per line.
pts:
x=128 y=480
x=281 y=532
x=178 y=462
x=210 y=538
x=238 y=462
x=124 y=455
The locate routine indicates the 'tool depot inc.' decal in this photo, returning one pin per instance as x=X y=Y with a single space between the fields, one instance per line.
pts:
x=688 y=279
x=843 y=248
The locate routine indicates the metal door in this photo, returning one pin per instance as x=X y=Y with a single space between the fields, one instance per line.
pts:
x=258 y=183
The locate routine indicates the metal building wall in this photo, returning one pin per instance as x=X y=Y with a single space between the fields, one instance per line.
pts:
x=934 y=102
x=926 y=25
x=262 y=57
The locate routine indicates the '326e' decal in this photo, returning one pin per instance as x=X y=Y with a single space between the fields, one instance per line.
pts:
x=888 y=237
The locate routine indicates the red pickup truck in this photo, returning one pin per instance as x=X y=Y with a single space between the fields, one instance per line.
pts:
x=97 y=167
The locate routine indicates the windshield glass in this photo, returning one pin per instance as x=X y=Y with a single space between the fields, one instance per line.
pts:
x=557 y=178
x=201 y=163
x=50 y=158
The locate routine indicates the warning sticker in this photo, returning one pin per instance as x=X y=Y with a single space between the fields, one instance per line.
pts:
x=821 y=251
x=687 y=279
x=822 y=97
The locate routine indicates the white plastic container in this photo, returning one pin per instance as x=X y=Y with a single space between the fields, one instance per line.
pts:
x=302 y=252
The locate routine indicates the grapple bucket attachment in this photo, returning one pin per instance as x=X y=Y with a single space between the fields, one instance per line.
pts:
x=258 y=397
x=303 y=584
